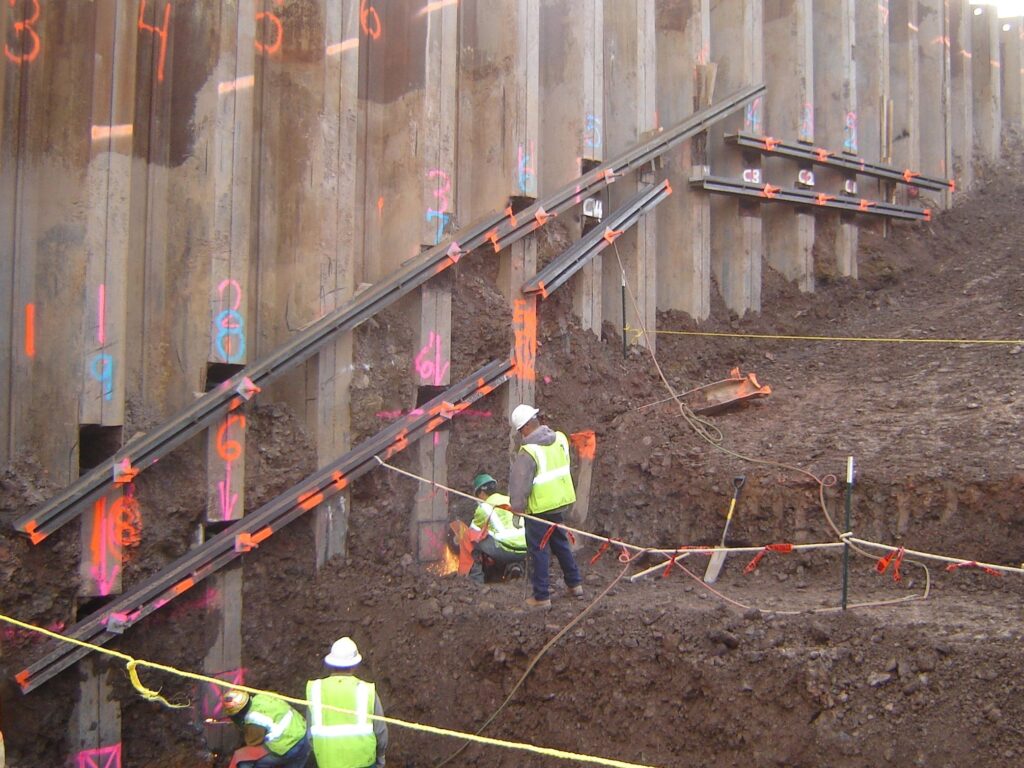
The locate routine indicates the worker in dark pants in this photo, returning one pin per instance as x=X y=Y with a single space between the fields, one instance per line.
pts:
x=500 y=554
x=540 y=485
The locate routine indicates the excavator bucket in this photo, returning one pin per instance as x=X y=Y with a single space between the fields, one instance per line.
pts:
x=719 y=395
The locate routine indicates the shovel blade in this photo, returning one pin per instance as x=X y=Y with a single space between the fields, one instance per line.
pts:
x=714 y=566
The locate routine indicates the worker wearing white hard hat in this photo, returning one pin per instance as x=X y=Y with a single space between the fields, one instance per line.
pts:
x=348 y=736
x=540 y=486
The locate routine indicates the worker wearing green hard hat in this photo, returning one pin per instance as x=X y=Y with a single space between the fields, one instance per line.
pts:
x=500 y=554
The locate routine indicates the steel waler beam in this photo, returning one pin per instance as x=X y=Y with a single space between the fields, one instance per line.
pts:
x=767 y=193
x=564 y=266
x=255 y=527
x=499 y=229
x=817 y=156
x=537 y=214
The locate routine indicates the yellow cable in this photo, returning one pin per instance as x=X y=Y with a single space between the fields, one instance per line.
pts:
x=1015 y=342
x=132 y=663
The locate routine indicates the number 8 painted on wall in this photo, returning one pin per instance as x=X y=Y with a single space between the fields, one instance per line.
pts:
x=229 y=326
x=21 y=27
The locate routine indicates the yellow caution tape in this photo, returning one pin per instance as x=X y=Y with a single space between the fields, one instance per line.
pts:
x=1014 y=342
x=132 y=664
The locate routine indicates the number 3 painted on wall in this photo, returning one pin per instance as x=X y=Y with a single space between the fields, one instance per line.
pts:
x=21 y=27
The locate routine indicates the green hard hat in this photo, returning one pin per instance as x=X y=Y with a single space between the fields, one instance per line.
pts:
x=482 y=480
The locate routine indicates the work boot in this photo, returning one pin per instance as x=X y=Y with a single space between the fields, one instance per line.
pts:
x=532 y=602
x=513 y=571
x=576 y=591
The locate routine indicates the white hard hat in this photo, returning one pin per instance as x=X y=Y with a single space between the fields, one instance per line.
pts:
x=343 y=654
x=521 y=414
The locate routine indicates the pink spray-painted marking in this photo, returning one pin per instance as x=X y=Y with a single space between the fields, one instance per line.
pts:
x=104 y=757
x=432 y=370
x=101 y=315
x=227 y=498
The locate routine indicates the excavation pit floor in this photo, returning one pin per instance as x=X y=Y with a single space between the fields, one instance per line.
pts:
x=661 y=671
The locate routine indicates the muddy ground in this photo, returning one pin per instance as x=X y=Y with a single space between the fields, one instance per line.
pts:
x=661 y=671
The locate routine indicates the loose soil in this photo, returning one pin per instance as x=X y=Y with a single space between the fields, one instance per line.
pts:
x=763 y=670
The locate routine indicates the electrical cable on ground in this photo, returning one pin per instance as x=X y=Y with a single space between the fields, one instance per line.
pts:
x=539 y=655
x=703 y=433
x=132 y=664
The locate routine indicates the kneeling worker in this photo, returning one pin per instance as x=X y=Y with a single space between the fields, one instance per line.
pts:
x=505 y=543
x=269 y=722
x=348 y=739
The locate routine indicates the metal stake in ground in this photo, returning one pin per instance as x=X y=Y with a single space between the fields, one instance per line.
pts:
x=718 y=557
x=846 y=528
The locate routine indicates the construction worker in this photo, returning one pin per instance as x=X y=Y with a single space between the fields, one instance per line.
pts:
x=505 y=541
x=348 y=739
x=541 y=486
x=272 y=723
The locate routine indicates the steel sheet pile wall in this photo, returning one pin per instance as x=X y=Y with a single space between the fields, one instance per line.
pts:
x=185 y=185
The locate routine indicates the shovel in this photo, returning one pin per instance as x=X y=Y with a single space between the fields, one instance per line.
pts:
x=718 y=557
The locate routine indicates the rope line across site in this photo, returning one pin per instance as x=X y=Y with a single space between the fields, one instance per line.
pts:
x=786 y=337
x=707 y=550
x=132 y=664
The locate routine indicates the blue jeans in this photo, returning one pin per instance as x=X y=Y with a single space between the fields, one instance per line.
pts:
x=295 y=757
x=540 y=559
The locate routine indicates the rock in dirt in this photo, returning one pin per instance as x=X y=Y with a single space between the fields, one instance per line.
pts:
x=879 y=678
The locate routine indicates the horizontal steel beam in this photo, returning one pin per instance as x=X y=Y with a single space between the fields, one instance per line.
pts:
x=564 y=266
x=766 y=193
x=500 y=230
x=817 y=156
x=195 y=565
x=535 y=215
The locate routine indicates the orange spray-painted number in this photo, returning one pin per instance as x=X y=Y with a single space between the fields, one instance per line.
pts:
x=30 y=44
x=369 y=20
x=160 y=32
x=229 y=450
x=524 y=327
x=275 y=22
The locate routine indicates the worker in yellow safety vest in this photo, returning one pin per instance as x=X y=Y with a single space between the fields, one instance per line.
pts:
x=499 y=555
x=540 y=485
x=272 y=723
x=349 y=738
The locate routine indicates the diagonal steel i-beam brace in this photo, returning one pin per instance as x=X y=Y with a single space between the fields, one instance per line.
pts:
x=500 y=229
x=207 y=558
x=817 y=156
x=767 y=193
x=563 y=267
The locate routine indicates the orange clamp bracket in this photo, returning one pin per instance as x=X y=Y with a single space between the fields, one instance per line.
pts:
x=927 y=214
x=952 y=185
x=822 y=154
x=340 y=481
x=247 y=542
x=247 y=389
x=611 y=234
x=822 y=198
x=769 y=191
x=909 y=175
x=865 y=205
x=34 y=534
x=770 y=144
x=124 y=472
x=455 y=252
x=542 y=216
x=493 y=237
x=22 y=679
x=511 y=215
